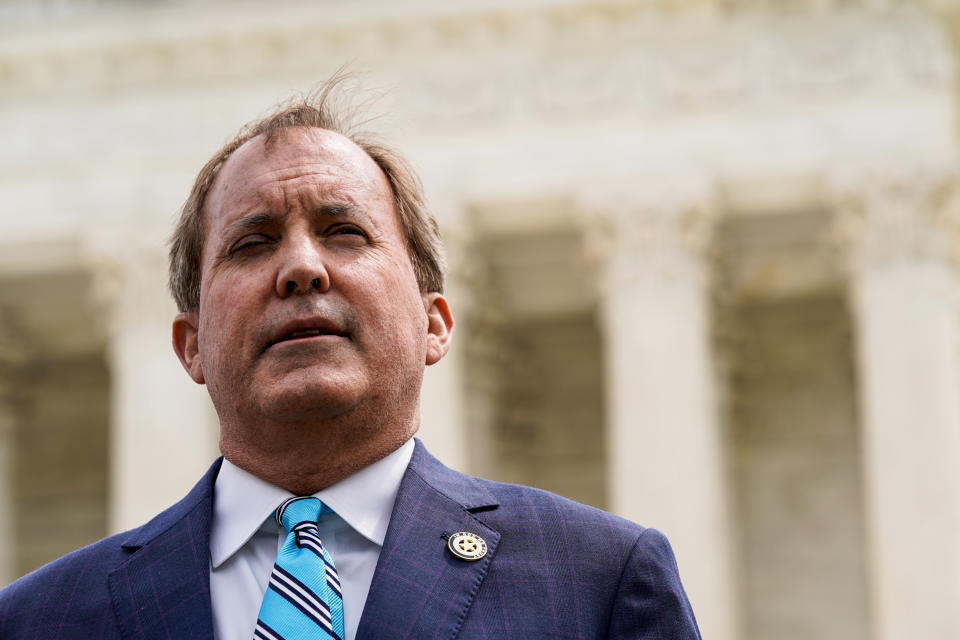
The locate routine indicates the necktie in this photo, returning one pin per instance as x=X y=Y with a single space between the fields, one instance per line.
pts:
x=303 y=600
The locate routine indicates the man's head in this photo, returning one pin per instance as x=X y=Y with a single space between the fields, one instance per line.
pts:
x=317 y=111
x=313 y=316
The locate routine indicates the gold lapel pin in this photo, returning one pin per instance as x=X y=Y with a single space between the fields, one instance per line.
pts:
x=467 y=546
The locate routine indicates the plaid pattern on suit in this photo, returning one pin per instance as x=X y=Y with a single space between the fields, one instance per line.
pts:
x=553 y=569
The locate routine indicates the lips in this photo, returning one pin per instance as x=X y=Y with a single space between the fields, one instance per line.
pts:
x=304 y=329
x=305 y=333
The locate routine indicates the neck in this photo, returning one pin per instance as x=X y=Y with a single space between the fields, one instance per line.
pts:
x=304 y=458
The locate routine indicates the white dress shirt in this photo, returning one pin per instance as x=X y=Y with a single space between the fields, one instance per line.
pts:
x=245 y=538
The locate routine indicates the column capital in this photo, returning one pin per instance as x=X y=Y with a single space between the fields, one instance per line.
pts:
x=660 y=229
x=129 y=270
x=887 y=217
x=462 y=266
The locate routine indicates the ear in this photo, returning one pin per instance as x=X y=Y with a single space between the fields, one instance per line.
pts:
x=439 y=326
x=185 y=344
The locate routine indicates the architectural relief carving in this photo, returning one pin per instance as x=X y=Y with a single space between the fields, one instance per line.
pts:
x=908 y=216
x=605 y=58
x=129 y=271
x=662 y=233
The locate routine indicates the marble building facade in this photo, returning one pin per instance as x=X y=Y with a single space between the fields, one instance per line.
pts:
x=703 y=266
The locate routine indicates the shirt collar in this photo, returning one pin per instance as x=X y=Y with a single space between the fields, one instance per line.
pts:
x=364 y=500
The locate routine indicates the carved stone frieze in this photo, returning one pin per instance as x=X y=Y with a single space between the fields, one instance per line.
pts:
x=886 y=217
x=129 y=272
x=602 y=58
x=662 y=231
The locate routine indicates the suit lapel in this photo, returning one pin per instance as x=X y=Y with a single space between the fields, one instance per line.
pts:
x=420 y=590
x=163 y=589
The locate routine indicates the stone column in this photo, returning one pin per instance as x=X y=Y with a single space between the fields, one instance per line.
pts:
x=443 y=424
x=8 y=543
x=163 y=431
x=902 y=234
x=665 y=453
x=15 y=353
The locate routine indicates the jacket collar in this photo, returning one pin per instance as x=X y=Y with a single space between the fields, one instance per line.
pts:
x=465 y=490
x=163 y=589
x=420 y=589
x=201 y=495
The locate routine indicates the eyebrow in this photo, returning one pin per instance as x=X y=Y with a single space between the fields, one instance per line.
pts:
x=335 y=210
x=259 y=220
x=250 y=222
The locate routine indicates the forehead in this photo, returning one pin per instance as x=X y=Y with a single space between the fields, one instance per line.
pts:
x=300 y=162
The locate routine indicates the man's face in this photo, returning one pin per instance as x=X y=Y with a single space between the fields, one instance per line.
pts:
x=309 y=306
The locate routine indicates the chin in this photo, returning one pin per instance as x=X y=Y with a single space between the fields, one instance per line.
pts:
x=308 y=401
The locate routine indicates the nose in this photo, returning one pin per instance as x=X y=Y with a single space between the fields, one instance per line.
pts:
x=302 y=269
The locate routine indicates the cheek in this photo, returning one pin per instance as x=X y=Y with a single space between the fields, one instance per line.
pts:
x=383 y=284
x=218 y=321
x=392 y=310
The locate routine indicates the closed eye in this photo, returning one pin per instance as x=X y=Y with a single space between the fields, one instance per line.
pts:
x=249 y=242
x=346 y=230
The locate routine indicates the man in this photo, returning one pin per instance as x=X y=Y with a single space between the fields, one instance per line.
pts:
x=309 y=276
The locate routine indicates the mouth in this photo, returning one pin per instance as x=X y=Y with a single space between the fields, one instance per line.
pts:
x=306 y=330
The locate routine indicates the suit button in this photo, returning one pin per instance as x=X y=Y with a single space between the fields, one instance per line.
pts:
x=467 y=546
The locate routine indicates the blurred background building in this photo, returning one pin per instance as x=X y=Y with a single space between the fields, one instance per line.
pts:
x=703 y=266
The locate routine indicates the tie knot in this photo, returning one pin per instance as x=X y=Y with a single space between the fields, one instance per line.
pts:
x=295 y=511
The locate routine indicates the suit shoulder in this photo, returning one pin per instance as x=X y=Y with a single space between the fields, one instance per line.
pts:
x=631 y=567
x=519 y=498
x=70 y=597
x=509 y=507
x=72 y=588
x=511 y=495
x=650 y=594
x=95 y=559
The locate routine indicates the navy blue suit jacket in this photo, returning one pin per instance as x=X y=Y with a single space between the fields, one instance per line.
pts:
x=553 y=569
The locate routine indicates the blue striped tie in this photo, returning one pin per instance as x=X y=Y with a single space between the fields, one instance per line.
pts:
x=303 y=600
